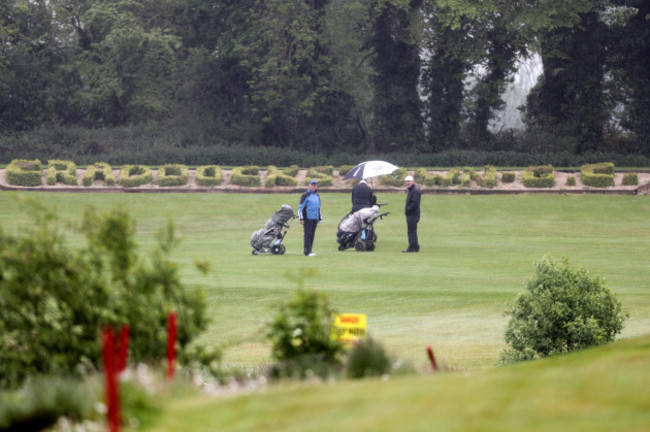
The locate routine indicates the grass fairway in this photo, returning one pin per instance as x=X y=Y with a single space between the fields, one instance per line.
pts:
x=602 y=389
x=477 y=252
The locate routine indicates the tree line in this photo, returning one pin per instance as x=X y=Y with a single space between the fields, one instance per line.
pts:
x=372 y=76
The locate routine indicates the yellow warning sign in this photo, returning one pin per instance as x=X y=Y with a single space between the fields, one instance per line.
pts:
x=349 y=328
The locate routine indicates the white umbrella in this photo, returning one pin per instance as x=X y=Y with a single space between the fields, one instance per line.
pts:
x=370 y=169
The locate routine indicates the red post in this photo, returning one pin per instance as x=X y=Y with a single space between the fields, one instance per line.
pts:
x=123 y=349
x=110 y=373
x=171 y=344
x=432 y=359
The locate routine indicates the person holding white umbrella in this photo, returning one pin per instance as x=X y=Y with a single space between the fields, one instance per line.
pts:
x=362 y=196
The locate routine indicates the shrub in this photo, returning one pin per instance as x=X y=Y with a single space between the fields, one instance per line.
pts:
x=323 y=175
x=327 y=169
x=344 y=169
x=452 y=177
x=597 y=175
x=508 y=177
x=277 y=177
x=173 y=175
x=55 y=299
x=209 y=175
x=302 y=328
x=395 y=179
x=562 y=310
x=571 y=181
x=59 y=171
x=291 y=171
x=422 y=176
x=98 y=171
x=630 y=179
x=490 y=177
x=22 y=172
x=474 y=176
x=541 y=176
x=40 y=402
x=135 y=175
x=465 y=179
x=367 y=359
x=248 y=176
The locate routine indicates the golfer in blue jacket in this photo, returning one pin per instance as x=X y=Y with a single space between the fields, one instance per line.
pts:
x=310 y=215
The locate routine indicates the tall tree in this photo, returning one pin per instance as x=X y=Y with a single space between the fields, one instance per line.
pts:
x=569 y=100
x=630 y=62
x=33 y=78
x=396 y=63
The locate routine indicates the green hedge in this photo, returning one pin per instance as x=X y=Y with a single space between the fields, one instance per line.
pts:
x=291 y=171
x=135 y=175
x=571 y=181
x=98 y=171
x=630 y=179
x=508 y=177
x=490 y=177
x=473 y=175
x=209 y=175
x=598 y=175
x=395 y=179
x=422 y=176
x=345 y=169
x=248 y=176
x=23 y=172
x=173 y=175
x=275 y=177
x=541 y=176
x=322 y=174
x=452 y=177
x=59 y=171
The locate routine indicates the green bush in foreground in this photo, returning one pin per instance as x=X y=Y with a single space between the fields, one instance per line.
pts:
x=301 y=330
x=367 y=359
x=40 y=402
x=55 y=299
x=562 y=310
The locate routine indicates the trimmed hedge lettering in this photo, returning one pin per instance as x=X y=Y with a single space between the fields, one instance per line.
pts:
x=23 y=172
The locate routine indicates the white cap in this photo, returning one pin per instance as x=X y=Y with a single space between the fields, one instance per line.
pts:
x=408 y=178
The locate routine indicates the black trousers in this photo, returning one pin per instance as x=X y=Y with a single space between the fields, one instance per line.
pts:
x=412 y=231
x=310 y=231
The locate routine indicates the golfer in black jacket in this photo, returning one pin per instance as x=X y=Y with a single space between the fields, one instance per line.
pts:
x=412 y=212
x=362 y=197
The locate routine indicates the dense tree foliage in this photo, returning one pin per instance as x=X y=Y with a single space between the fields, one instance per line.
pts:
x=328 y=76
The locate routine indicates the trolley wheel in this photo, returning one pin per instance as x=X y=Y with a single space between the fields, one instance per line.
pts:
x=278 y=249
x=360 y=246
x=370 y=245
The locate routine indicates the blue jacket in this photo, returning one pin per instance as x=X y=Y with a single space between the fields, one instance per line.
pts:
x=309 y=207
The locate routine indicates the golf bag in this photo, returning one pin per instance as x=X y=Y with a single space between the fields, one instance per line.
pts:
x=357 y=229
x=269 y=239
